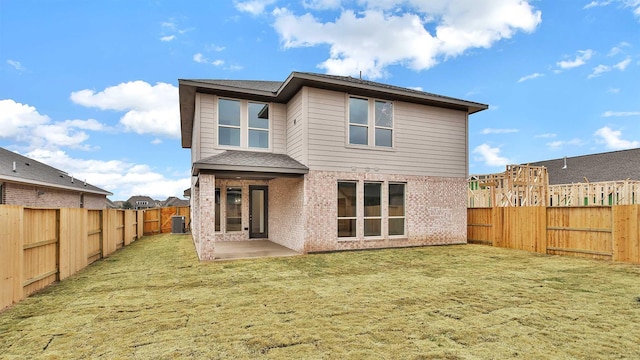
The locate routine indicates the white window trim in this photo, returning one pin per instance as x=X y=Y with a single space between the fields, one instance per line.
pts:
x=244 y=126
x=371 y=125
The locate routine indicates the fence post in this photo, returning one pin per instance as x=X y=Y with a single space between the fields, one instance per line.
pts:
x=496 y=228
x=11 y=254
x=140 y=229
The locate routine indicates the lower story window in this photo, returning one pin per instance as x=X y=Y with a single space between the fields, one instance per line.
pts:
x=347 y=209
x=396 y=209
x=372 y=209
x=234 y=209
x=370 y=225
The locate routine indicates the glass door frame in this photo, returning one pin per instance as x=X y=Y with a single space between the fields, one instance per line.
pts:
x=265 y=193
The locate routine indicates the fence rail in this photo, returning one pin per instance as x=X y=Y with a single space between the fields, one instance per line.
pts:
x=40 y=246
x=600 y=232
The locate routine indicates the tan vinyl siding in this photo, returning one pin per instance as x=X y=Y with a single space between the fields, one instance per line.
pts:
x=195 y=132
x=429 y=141
x=295 y=138
x=278 y=120
x=207 y=131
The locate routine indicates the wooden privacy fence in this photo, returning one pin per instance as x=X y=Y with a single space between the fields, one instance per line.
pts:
x=600 y=232
x=40 y=246
x=158 y=220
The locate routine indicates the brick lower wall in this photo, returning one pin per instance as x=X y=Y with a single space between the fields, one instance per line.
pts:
x=435 y=210
x=29 y=195
x=286 y=212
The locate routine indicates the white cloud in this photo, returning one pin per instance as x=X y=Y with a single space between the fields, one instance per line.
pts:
x=622 y=65
x=490 y=156
x=199 y=58
x=253 y=7
x=613 y=90
x=23 y=123
x=599 y=70
x=633 y=4
x=530 y=77
x=596 y=4
x=18 y=119
x=167 y=38
x=620 y=113
x=546 y=136
x=560 y=143
x=580 y=59
x=123 y=178
x=150 y=109
x=611 y=138
x=401 y=36
x=156 y=141
x=16 y=65
x=322 y=4
x=498 y=131
x=618 y=48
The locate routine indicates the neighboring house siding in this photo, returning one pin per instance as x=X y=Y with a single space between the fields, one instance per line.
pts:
x=429 y=141
x=295 y=129
x=28 y=195
x=93 y=201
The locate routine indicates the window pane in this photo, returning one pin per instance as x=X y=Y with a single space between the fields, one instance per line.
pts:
x=396 y=199
x=259 y=139
x=229 y=112
x=383 y=137
x=372 y=227
x=384 y=113
x=346 y=199
x=358 y=111
x=372 y=199
x=396 y=226
x=259 y=115
x=358 y=135
x=234 y=209
x=346 y=227
x=228 y=136
x=217 y=216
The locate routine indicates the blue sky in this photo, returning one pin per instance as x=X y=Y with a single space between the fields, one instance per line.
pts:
x=90 y=87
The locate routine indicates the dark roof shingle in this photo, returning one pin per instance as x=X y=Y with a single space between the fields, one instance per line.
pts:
x=608 y=166
x=34 y=172
x=251 y=161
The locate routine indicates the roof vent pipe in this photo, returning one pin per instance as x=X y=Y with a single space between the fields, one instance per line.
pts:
x=14 y=166
x=565 y=163
x=72 y=179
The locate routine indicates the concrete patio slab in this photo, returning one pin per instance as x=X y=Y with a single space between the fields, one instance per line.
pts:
x=234 y=250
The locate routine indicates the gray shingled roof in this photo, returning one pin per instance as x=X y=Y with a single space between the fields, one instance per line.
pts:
x=232 y=160
x=33 y=172
x=260 y=85
x=608 y=166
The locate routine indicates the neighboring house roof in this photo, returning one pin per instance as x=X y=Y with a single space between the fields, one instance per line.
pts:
x=608 y=166
x=250 y=161
x=174 y=201
x=32 y=172
x=281 y=92
x=142 y=200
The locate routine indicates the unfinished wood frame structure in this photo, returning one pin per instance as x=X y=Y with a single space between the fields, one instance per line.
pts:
x=518 y=185
x=524 y=185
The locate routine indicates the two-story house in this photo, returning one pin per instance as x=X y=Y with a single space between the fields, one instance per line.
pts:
x=320 y=162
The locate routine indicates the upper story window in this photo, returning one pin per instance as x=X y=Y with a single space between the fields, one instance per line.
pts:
x=243 y=124
x=370 y=122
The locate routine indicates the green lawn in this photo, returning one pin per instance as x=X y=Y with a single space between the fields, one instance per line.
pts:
x=153 y=299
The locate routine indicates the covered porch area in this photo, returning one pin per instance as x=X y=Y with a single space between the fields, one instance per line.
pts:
x=248 y=204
